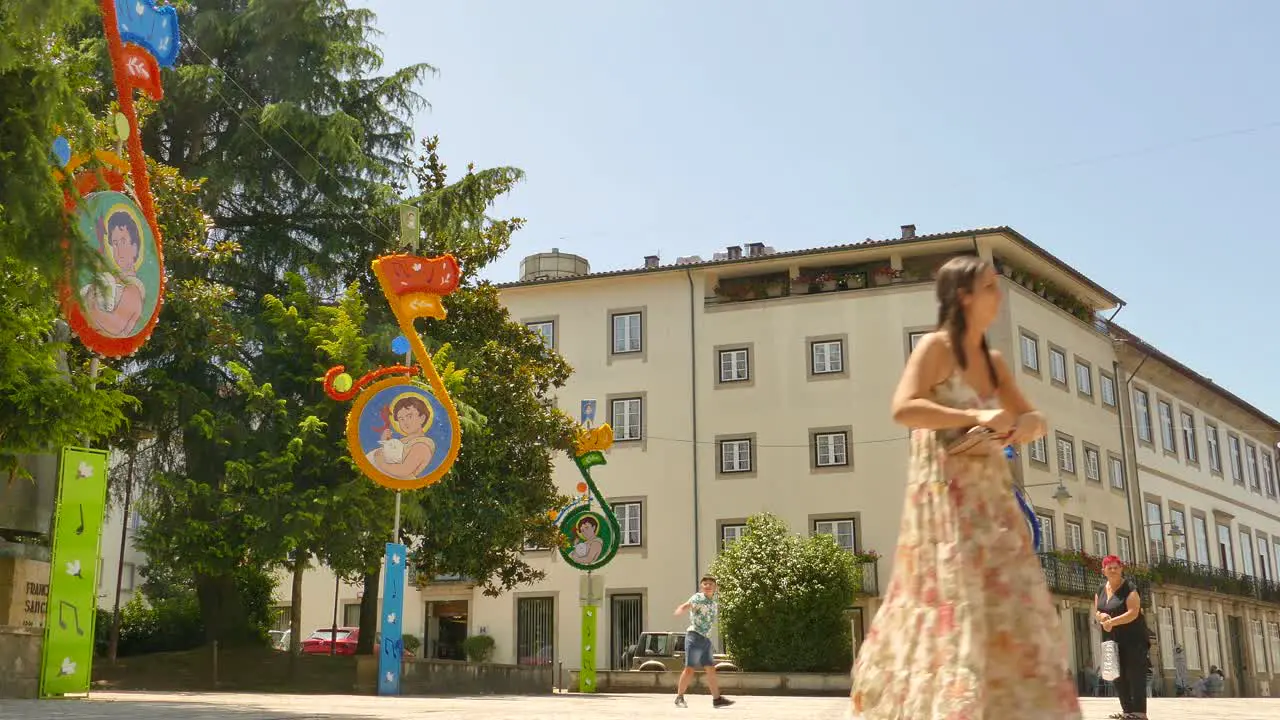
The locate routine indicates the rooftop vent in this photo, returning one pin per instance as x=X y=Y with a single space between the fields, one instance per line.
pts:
x=908 y=232
x=689 y=260
x=755 y=249
x=735 y=252
x=553 y=265
x=651 y=261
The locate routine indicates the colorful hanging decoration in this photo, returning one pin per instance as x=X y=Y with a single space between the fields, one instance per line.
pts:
x=591 y=534
x=113 y=292
x=404 y=434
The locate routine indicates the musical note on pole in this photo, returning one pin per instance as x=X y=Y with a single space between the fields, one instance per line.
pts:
x=75 y=616
x=80 y=529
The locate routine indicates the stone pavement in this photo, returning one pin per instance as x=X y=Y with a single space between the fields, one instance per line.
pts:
x=203 y=706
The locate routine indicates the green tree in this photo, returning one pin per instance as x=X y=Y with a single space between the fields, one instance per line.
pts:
x=784 y=599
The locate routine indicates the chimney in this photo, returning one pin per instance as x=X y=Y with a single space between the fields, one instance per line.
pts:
x=735 y=252
x=651 y=261
x=755 y=249
x=908 y=232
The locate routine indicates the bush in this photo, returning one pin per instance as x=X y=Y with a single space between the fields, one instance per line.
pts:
x=479 y=648
x=168 y=625
x=784 y=599
x=412 y=643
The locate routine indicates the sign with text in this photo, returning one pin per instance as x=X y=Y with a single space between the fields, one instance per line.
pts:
x=73 y=577
x=391 y=650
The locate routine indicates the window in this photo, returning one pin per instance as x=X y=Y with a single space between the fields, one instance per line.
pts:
x=1057 y=366
x=1075 y=536
x=1117 y=472
x=1273 y=629
x=1246 y=553
x=1226 y=555
x=1142 y=405
x=1251 y=466
x=128 y=577
x=1107 y=388
x=1275 y=554
x=1100 y=544
x=1264 y=565
x=733 y=365
x=350 y=618
x=1167 y=436
x=626 y=417
x=841 y=530
x=1269 y=475
x=1124 y=548
x=1046 y=533
x=1166 y=636
x=1066 y=454
x=1259 y=648
x=628 y=514
x=1200 y=530
x=831 y=449
x=1189 y=437
x=1212 y=641
x=1038 y=451
x=914 y=338
x=1178 y=519
x=1211 y=440
x=1191 y=639
x=1237 y=461
x=546 y=331
x=1084 y=378
x=735 y=456
x=626 y=333
x=1030 y=353
x=1092 y=464
x=1155 y=531
x=827 y=356
x=729 y=534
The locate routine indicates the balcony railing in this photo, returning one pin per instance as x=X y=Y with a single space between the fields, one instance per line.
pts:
x=870 y=570
x=1079 y=576
x=1172 y=571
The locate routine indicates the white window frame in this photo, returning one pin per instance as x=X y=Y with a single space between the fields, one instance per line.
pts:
x=1101 y=542
x=1189 y=436
x=1107 y=389
x=1092 y=463
x=831 y=363
x=1246 y=553
x=833 y=527
x=1168 y=434
x=1178 y=519
x=735 y=456
x=1084 y=378
x=1165 y=628
x=914 y=338
x=1224 y=538
x=1273 y=631
x=626 y=339
x=1191 y=638
x=731 y=533
x=738 y=367
x=621 y=420
x=1154 y=513
x=1115 y=467
x=1066 y=454
x=1047 y=538
x=1264 y=558
x=1200 y=533
x=1259 y=647
x=1057 y=365
x=1269 y=474
x=630 y=516
x=1251 y=467
x=1030 y=352
x=546 y=330
x=1213 y=441
x=1236 y=456
x=1038 y=450
x=1124 y=548
x=1142 y=413
x=1212 y=639
x=1075 y=536
x=837 y=449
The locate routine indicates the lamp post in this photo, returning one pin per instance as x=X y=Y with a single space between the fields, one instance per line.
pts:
x=1062 y=494
x=1176 y=534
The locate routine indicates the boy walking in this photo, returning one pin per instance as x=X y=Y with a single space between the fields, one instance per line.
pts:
x=703 y=610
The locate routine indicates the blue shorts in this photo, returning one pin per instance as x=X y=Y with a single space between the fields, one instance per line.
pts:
x=697 y=650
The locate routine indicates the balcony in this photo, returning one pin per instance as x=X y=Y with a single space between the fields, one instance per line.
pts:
x=869 y=573
x=1079 y=575
x=817 y=280
x=1182 y=573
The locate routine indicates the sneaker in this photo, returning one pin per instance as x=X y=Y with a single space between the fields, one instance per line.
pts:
x=680 y=701
x=721 y=702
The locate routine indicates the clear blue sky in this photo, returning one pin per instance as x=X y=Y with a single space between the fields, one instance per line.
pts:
x=1138 y=141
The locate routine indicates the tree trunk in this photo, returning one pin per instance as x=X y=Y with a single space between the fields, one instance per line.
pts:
x=295 y=603
x=222 y=609
x=369 y=612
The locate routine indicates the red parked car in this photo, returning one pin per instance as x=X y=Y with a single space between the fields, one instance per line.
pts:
x=346 y=639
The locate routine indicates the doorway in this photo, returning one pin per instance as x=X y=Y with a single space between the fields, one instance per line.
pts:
x=626 y=622
x=1082 y=643
x=535 y=631
x=1235 y=654
x=450 y=621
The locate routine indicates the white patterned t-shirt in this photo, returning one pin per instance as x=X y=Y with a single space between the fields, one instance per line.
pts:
x=703 y=613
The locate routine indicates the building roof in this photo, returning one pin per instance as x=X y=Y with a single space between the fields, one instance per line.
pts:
x=888 y=242
x=1142 y=346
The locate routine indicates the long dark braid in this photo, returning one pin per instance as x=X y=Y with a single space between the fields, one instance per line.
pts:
x=959 y=274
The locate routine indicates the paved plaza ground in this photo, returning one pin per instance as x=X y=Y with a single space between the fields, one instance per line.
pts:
x=198 y=706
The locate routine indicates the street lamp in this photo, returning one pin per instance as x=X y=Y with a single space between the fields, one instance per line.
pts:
x=1062 y=494
x=1176 y=534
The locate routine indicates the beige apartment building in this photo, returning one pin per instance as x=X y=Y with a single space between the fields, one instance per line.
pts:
x=760 y=381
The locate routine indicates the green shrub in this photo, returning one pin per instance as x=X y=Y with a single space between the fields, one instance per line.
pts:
x=479 y=648
x=412 y=643
x=784 y=599
x=168 y=625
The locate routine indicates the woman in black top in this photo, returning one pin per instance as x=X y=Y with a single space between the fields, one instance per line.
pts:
x=1119 y=610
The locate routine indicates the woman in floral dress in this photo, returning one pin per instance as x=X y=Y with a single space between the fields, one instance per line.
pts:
x=968 y=630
